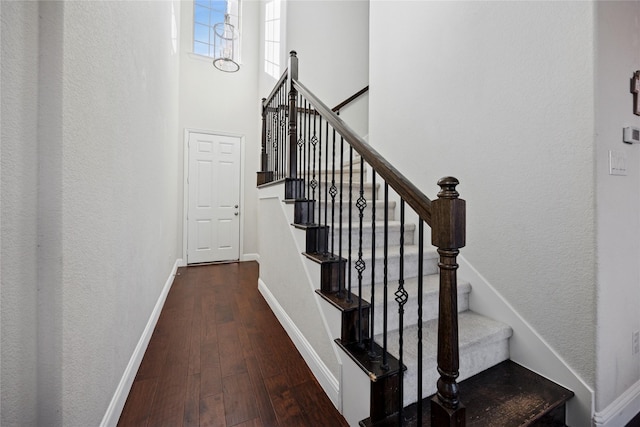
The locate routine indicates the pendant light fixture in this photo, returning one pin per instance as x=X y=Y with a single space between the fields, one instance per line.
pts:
x=224 y=46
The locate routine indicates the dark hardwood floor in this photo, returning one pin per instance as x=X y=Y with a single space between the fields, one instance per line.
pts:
x=219 y=357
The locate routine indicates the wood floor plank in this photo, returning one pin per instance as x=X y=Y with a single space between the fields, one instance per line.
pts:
x=287 y=409
x=219 y=357
x=138 y=406
x=191 y=416
x=256 y=422
x=309 y=395
x=212 y=411
x=263 y=400
x=239 y=399
x=231 y=356
x=210 y=372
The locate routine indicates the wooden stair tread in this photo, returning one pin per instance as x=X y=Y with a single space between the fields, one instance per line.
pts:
x=504 y=395
x=372 y=366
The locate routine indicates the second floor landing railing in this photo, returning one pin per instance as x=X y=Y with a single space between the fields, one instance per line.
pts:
x=354 y=190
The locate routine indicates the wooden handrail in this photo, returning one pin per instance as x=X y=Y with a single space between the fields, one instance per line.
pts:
x=280 y=82
x=405 y=188
x=350 y=99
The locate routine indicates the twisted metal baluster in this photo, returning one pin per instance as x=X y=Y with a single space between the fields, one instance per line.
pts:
x=301 y=146
x=361 y=203
x=314 y=143
x=401 y=298
x=333 y=191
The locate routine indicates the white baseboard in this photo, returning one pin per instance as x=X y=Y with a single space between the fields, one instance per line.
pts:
x=620 y=411
x=327 y=380
x=250 y=257
x=119 y=398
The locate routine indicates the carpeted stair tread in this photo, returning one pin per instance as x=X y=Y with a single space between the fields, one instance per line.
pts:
x=483 y=342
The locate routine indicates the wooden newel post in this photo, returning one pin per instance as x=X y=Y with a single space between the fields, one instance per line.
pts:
x=448 y=234
x=264 y=165
x=293 y=96
x=264 y=175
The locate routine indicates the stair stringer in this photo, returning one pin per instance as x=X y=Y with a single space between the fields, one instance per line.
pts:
x=527 y=347
x=285 y=283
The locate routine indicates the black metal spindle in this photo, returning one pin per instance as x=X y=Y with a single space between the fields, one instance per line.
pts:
x=385 y=276
x=420 y=285
x=401 y=299
x=361 y=203
x=341 y=276
x=326 y=189
x=314 y=143
x=333 y=191
x=372 y=352
x=349 y=228
x=300 y=119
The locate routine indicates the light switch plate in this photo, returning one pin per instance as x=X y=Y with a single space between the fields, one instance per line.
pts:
x=617 y=163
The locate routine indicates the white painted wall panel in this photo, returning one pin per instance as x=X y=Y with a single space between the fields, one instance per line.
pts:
x=618 y=202
x=18 y=207
x=500 y=95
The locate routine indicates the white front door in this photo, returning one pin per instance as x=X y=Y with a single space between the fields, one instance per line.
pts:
x=213 y=218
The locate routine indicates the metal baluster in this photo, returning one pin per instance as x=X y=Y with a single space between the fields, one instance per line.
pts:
x=420 y=284
x=341 y=276
x=401 y=299
x=274 y=136
x=320 y=194
x=314 y=142
x=385 y=260
x=301 y=147
x=372 y=352
x=350 y=222
x=361 y=203
x=333 y=191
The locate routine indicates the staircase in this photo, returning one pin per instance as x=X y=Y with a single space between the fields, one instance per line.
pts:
x=406 y=322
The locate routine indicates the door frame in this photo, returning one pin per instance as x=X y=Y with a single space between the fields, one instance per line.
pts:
x=185 y=190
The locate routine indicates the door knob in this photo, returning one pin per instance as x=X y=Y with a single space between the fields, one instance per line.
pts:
x=236 y=213
x=236 y=206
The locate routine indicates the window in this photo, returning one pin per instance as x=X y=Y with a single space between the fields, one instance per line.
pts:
x=206 y=14
x=272 y=38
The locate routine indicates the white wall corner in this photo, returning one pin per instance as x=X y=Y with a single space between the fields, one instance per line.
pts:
x=112 y=415
x=527 y=347
x=621 y=410
x=327 y=380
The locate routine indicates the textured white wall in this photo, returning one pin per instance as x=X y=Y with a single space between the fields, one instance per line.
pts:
x=119 y=190
x=618 y=201
x=284 y=274
x=332 y=39
x=107 y=188
x=19 y=199
x=225 y=102
x=500 y=95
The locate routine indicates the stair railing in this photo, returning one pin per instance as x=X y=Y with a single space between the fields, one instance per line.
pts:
x=310 y=148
